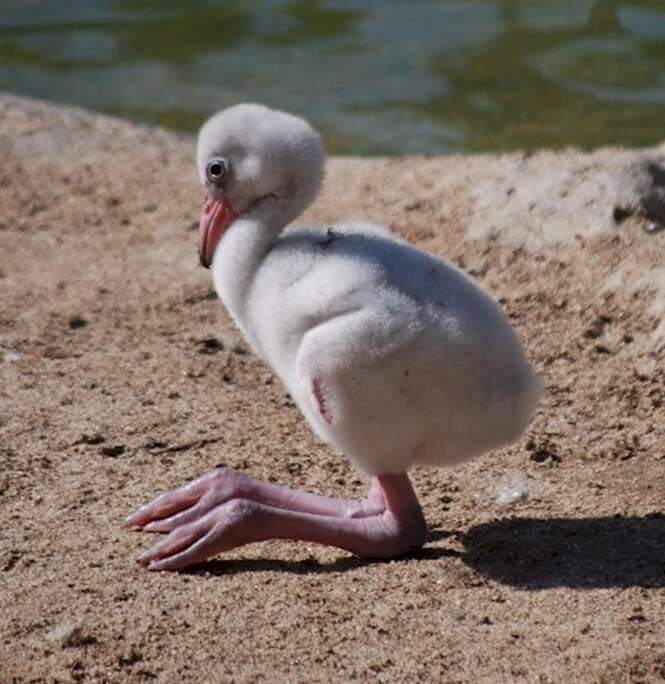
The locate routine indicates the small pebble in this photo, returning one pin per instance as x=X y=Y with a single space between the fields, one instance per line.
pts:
x=77 y=322
x=514 y=489
x=11 y=356
x=210 y=345
x=70 y=634
x=113 y=451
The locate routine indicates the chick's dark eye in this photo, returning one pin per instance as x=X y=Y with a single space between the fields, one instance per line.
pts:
x=216 y=169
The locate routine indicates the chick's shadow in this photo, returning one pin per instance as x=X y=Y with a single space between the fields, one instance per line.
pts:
x=583 y=553
x=525 y=553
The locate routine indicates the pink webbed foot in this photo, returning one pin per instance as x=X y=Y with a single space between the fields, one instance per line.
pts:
x=225 y=509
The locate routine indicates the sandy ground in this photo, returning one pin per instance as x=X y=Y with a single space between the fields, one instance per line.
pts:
x=121 y=375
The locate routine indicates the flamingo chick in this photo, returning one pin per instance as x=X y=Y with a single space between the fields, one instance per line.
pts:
x=395 y=357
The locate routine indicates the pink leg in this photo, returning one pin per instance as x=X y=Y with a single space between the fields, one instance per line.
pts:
x=224 y=509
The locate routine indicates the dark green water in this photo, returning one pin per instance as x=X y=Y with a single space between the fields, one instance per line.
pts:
x=424 y=76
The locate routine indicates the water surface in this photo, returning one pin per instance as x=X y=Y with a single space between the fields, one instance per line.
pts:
x=390 y=77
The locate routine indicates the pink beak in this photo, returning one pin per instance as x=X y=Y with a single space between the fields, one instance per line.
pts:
x=216 y=216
